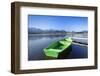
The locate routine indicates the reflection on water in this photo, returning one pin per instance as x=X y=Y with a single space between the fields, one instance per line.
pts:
x=78 y=52
x=40 y=36
x=37 y=42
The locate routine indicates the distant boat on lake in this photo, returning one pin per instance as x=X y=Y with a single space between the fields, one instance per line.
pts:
x=80 y=40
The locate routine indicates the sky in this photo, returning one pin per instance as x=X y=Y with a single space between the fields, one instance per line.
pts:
x=67 y=23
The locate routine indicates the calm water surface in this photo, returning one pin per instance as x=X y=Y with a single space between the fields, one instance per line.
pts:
x=36 y=44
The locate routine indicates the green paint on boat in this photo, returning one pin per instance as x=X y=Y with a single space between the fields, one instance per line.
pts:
x=55 y=48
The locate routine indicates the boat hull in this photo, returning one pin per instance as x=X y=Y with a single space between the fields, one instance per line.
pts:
x=62 y=55
x=65 y=53
x=57 y=48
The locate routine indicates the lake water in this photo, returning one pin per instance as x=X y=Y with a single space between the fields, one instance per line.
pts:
x=37 y=42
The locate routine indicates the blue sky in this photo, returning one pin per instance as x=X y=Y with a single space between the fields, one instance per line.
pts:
x=67 y=23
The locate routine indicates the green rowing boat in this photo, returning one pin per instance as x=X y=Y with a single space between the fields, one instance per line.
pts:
x=55 y=48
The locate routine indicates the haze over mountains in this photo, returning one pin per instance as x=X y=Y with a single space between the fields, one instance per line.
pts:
x=50 y=31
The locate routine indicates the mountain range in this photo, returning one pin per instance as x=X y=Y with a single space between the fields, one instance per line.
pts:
x=40 y=31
